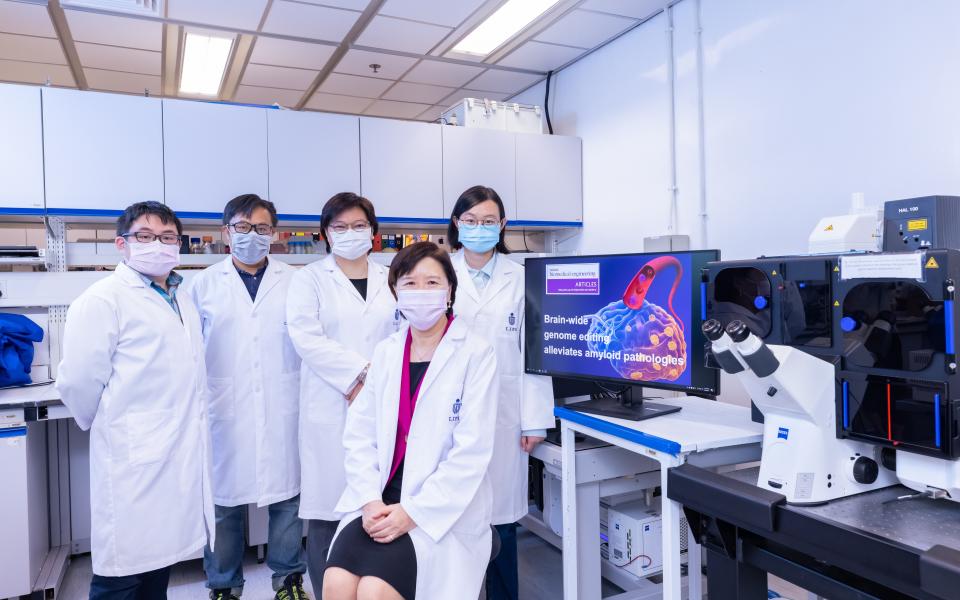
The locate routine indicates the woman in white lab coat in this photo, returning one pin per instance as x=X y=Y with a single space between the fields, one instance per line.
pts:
x=491 y=302
x=418 y=444
x=338 y=309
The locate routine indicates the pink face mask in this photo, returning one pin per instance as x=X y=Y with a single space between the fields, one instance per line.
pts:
x=153 y=259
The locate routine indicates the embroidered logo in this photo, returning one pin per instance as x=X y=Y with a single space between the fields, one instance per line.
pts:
x=455 y=417
x=511 y=323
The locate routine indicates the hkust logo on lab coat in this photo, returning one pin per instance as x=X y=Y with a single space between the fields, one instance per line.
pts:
x=455 y=411
x=511 y=323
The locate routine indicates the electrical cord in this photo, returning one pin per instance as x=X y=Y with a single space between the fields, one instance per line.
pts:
x=546 y=103
x=634 y=559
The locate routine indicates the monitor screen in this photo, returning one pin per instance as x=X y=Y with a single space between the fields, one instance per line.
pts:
x=621 y=319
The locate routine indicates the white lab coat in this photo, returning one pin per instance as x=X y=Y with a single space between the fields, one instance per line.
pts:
x=132 y=373
x=253 y=381
x=335 y=331
x=446 y=489
x=526 y=401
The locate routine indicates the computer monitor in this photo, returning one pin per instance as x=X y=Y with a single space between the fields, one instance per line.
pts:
x=622 y=322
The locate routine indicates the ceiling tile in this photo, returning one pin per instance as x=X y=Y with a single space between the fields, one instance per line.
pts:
x=131 y=60
x=115 y=31
x=417 y=92
x=113 y=81
x=351 y=4
x=278 y=77
x=28 y=19
x=442 y=73
x=396 y=110
x=405 y=36
x=351 y=85
x=28 y=72
x=453 y=14
x=309 y=21
x=284 y=53
x=508 y=82
x=638 y=9
x=459 y=95
x=335 y=103
x=538 y=56
x=584 y=29
x=357 y=62
x=251 y=94
x=233 y=14
x=31 y=49
x=432 y=114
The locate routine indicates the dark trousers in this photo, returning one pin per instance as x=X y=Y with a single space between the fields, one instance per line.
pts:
x=319 y=537
x=144 y=586
x=502 y=579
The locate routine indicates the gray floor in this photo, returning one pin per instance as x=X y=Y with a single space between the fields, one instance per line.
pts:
x=541 y=576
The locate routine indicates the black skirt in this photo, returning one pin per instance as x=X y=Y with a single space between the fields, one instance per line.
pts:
x=358 y=553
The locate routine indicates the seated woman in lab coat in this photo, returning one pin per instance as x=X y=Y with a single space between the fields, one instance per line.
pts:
x=418 y=440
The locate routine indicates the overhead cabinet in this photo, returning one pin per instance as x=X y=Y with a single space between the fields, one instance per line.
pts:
x=212 y=153
x=102 y=151
x=312 y=156
x=473 y=156
x=401 y=169
x=549 y=178
x=21 y=148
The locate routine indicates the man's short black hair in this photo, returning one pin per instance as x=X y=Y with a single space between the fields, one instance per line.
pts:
x=342 y=202
x=245 y=204
x=135 y=211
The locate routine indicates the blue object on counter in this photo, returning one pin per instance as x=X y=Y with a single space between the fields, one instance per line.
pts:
x=17 y=335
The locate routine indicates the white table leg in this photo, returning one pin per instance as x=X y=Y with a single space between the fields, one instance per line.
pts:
x=694 y=567
x=671 y=539
x=568 y=487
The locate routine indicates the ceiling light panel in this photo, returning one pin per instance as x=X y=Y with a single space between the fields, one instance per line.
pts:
x=508 y=20
x=204 y=63
x=151 y=8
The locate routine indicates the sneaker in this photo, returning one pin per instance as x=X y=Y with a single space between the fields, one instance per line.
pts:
x=226 y=594
x=292 y=588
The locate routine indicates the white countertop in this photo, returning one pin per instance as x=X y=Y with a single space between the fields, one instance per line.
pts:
x=29 y=395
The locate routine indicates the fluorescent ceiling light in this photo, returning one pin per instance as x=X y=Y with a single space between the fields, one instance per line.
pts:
x=502 y=25
x=204 y=63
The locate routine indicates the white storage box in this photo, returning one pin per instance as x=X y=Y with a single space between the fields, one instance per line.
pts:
x=634 y=531
x=490 y=114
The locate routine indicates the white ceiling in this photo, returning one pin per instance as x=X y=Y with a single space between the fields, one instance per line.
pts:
x=306 y=54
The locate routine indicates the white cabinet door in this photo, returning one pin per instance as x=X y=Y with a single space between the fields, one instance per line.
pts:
x=21 y=148
x=400 y=168
x=473 y=156
x=312 y=157
x=549 y=178
x=101 y=151
x=212 y=153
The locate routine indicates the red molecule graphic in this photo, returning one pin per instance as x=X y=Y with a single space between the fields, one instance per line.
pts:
x=644 y=341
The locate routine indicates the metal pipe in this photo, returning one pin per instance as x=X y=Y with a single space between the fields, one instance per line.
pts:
x=672 y=226
x=701 y=131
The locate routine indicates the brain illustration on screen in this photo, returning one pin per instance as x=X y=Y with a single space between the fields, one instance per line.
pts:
x=637 y=327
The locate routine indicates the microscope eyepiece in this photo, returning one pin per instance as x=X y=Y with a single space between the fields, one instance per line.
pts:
x=738 y=331
x=712 y=329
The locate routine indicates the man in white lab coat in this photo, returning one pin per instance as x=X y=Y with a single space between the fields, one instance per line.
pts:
x=253 y=379
x=132 y=373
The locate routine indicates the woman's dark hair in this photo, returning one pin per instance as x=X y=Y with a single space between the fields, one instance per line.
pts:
x=133 y=212
x=407 y=260
x=345 y=201
x=465 y=202
x=245 y=204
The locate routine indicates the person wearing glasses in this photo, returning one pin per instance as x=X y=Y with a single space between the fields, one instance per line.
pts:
x=253 y=384
x=338 y=309
x=491 y=300
x=133 y=374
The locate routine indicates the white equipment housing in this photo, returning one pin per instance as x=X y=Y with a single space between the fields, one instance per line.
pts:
x=930 y=475
x=635 y=540
x=490 y=114
x=844 y=233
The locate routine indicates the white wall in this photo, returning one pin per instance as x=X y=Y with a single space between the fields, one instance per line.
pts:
x=805 y=103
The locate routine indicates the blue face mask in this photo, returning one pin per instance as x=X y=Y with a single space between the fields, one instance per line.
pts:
x=480 y=238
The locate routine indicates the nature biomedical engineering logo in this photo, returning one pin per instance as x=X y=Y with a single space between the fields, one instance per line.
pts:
x=579 y=279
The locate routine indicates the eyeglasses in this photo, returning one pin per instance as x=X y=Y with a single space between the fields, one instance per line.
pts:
x=359 y=227
x=471 y=222
x=146 y=237
x=244 y=227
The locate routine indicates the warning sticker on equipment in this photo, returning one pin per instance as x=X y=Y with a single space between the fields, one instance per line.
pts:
x=893 y=266
x=932 y=263
x=804 y=485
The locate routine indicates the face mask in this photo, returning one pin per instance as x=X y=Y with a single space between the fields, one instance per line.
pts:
x=481 y=238
x=350 y=244
x=153 y=259
x=422 y=308
x=251 y=247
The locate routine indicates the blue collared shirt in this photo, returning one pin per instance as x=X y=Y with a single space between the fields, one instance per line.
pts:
x=482 y=276
x=170 y=294
x=251 y=281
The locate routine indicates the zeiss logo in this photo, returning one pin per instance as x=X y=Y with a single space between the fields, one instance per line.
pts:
x=783 y=433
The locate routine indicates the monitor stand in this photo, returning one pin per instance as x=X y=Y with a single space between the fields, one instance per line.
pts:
x=629 y=405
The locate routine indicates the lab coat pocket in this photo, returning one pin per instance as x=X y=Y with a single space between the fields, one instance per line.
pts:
x=288 y=396
x=221 y=404
x=326 y=406
x=150 y=435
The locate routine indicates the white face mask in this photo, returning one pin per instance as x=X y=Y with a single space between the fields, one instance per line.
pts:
x=350 y=244
x=154 y=258
x=422 y=308
x=251 y=247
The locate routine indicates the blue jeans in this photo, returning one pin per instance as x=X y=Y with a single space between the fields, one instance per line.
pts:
x=224 y=565
x=144 y=586
x=503 y=582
